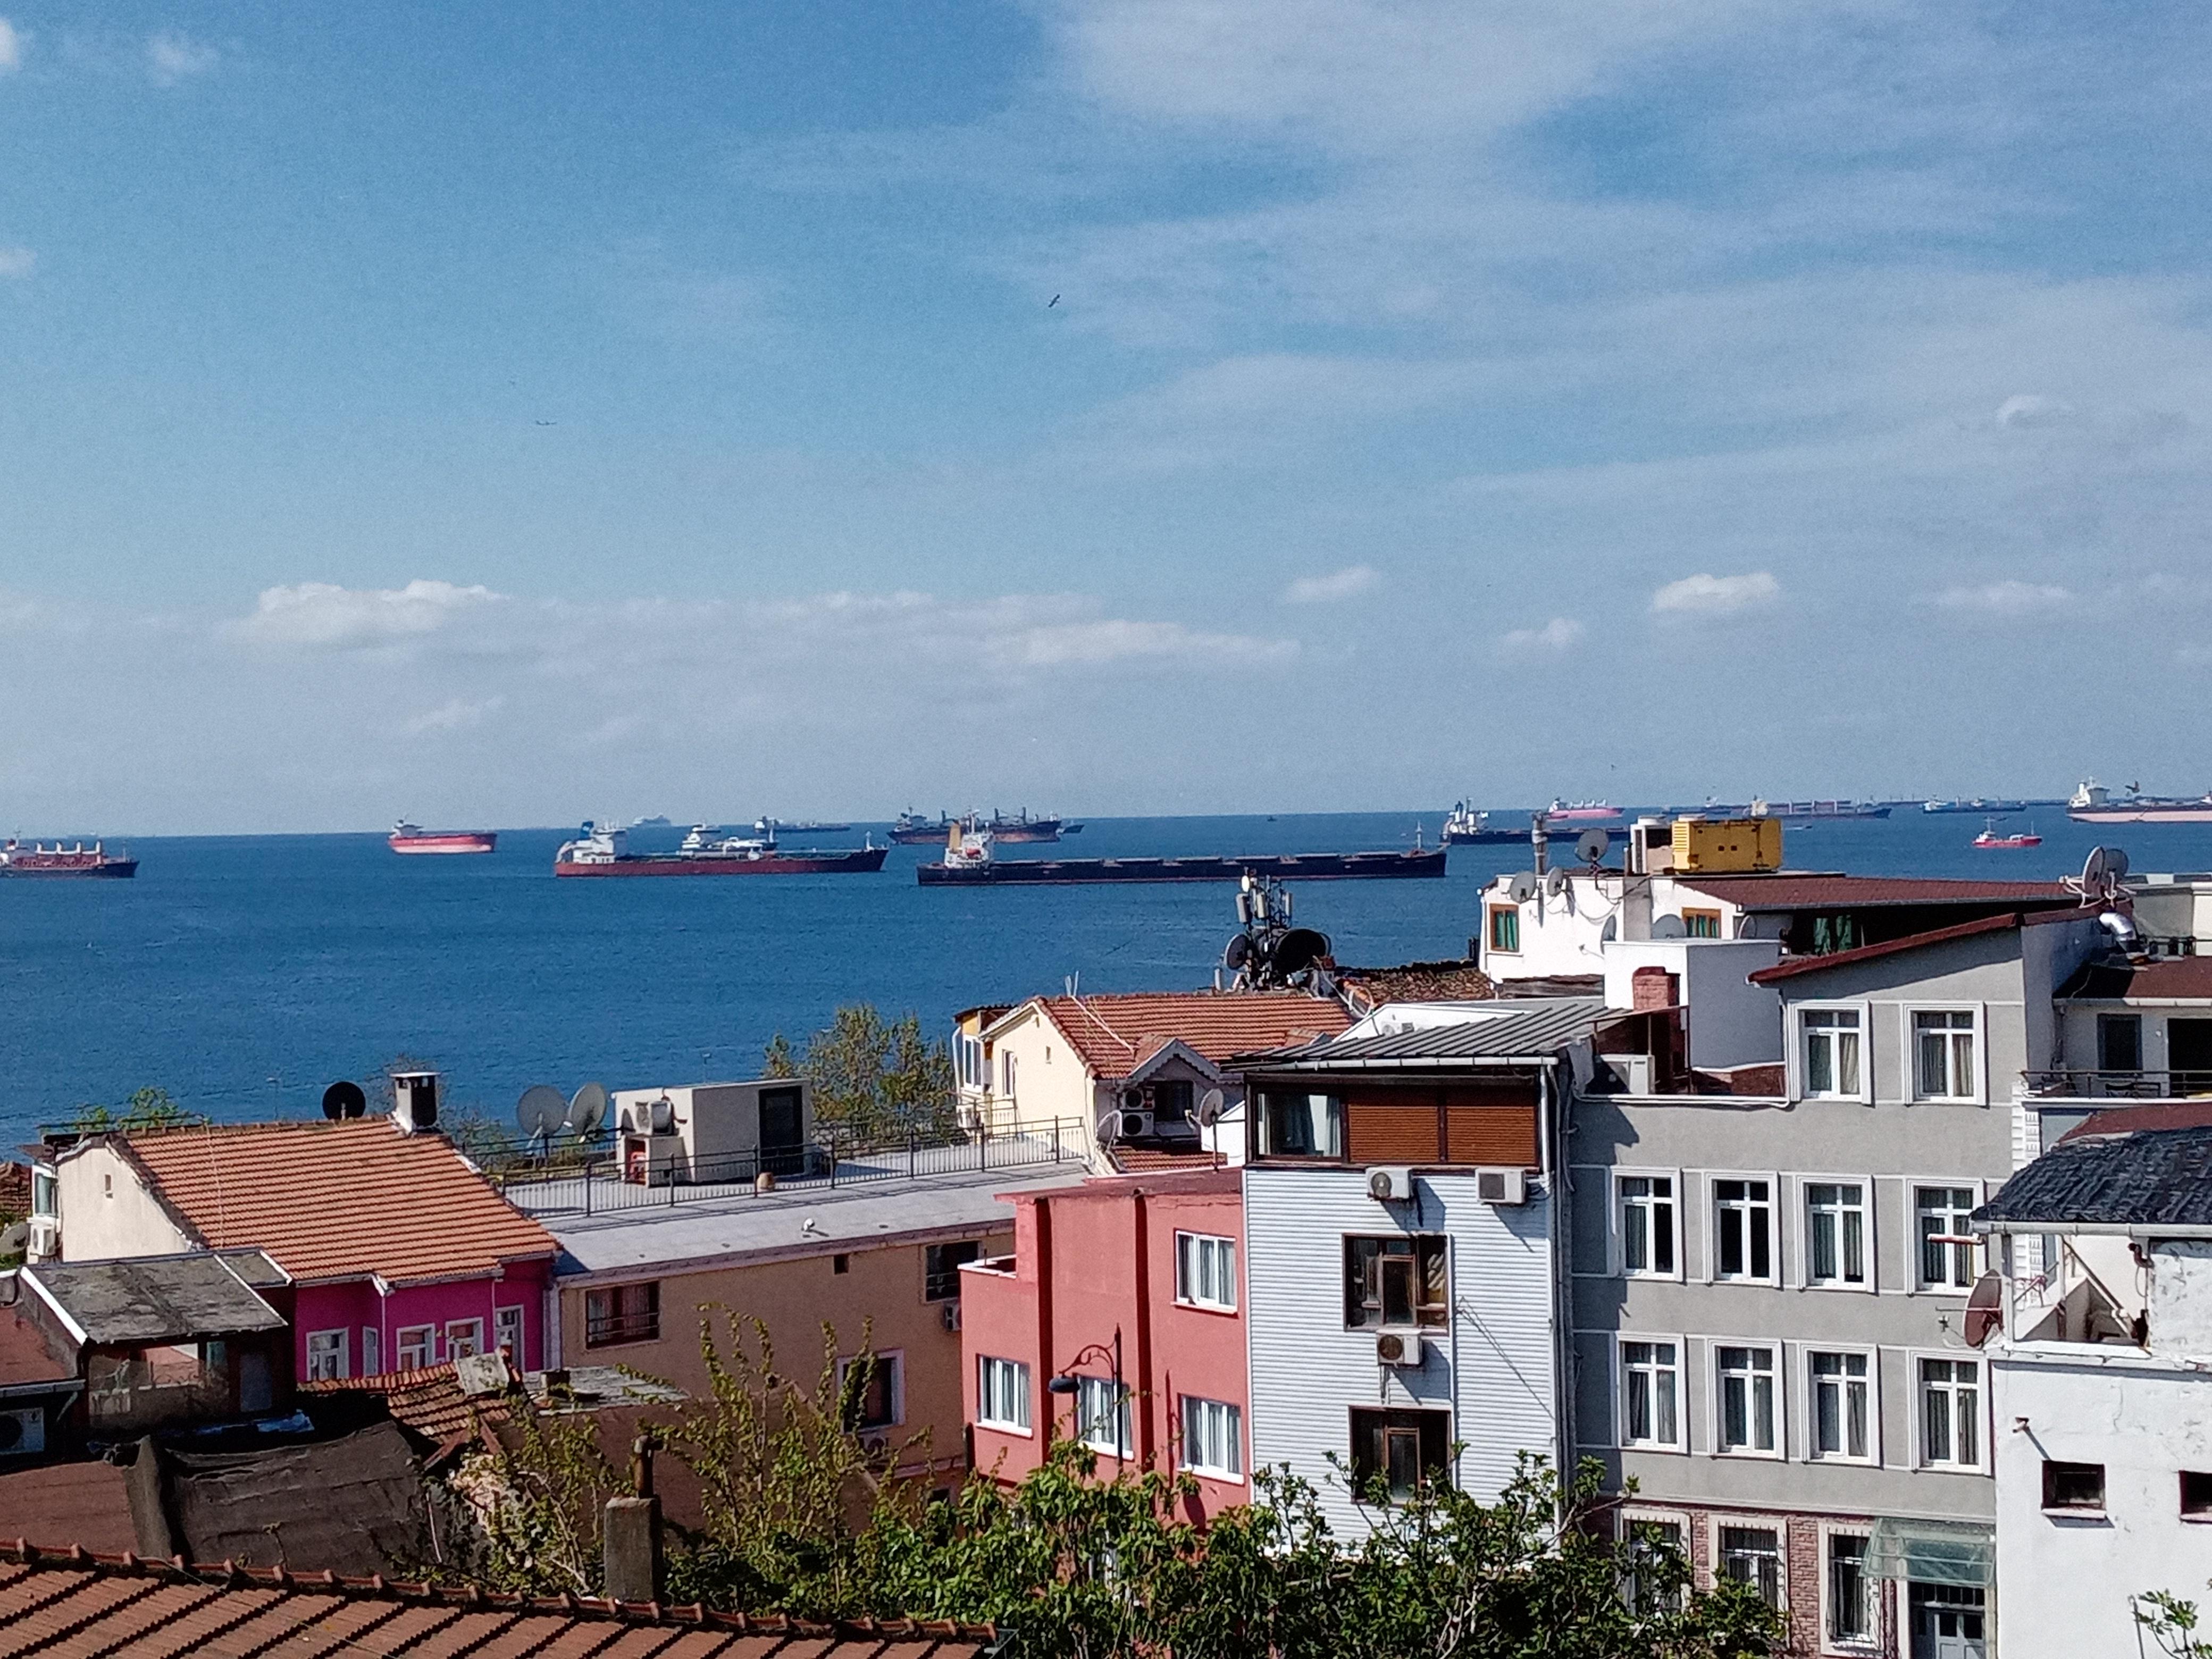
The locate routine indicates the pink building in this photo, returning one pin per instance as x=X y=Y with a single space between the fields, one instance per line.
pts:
x=401 y=1254
x=1138 y=1275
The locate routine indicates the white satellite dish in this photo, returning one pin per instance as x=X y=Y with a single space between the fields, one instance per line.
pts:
x=1209 y=1107
x=1592 y=846
x=1555 y=881
x=588 y=1110
x=1522 y=888
x=541 y=1110
x=1668 y=927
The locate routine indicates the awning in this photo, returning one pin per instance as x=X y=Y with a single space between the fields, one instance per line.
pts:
x=1932 y=1553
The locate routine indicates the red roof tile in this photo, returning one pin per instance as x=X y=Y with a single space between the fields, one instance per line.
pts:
x=77 y=1605
x=1113 y=1035
x=1793 y=966
x=1821 y=892
x=428 y=1400
x=339 y=1201
x=2130 y=1120
x=86 y=1502
x=1155 y=1160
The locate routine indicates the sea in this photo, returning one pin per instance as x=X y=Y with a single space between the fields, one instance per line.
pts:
x=244 y=974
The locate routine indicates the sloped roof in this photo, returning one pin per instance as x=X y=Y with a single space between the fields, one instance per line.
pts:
x=76 y=1605
x=2145 y=1177
x=153 y=1298
x=1114 y=1034
x=1456 y=981
x=339 y=1201
x=25 y=1360
x=2177 y=979
x=85 y=1502
x=1499 y=1031
x=1788 y=892
x=428 y=1399
x=1791 y=967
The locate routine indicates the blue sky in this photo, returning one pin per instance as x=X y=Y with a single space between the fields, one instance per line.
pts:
x=507 y=415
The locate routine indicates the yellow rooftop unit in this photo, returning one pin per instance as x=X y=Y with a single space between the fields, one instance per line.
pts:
x=1723 y=846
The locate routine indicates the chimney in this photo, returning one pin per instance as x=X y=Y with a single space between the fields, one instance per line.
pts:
x=629 y=1543
x=415 y=1101
x=1652 y=987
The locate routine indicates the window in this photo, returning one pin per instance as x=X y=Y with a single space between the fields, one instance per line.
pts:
x=326 y=1356
x=1835 y=1233
x=972 y=1061
x=1651 y=1387
x=1943 y=1055
x=1830 y=1037
x=1841 y=1406
x=841 y=1263
x=2073 y=1485
x=1505 y=928
x=940 y=1268
x=372 y=1350
x=1850 y=1591
x=1301 y=1126
x=621 y=1313
x=506 y=1332
x=1746 y=1399
x=1205 y=1271
x=1951 y=1413
x=1752 y=1555
x=1647 y=1225
x=1213 y=1438
x=417 y=1346
x=1006 y=1074
x=464 y=1337
x=1744 y=1219
x=2196 y=1495
x=1403 y=1448
x=1941 y=1217
x=873 y=1400
x=1103 y=1422
x=2119 y=1043
x=1002 y=1394
x=1701 y=924
x=45 y=1191
x=1395 y=1284
x=1656 y=1564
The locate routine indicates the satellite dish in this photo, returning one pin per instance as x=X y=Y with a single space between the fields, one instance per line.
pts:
x=588 y=1110
x=1591 y=848
x=1522 y=888
x=1108 y=1127
x=343 y=1100
x=1610 y=932
x=2096 y=866
x=1209 y=1107
x=541 y=1110
x=2115 y=861
x=1238 y=951
x=1668 y=927
x=1555 y=881
x=1298 y=950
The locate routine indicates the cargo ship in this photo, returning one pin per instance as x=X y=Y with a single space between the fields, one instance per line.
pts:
x=95 y=862
x=1584 y=812
x=912 y=829
x=407 y=837
x=604 y=850
x=2002 y=809
x=2093 y=804
x=1796 y=811
x=1466 y=827
x=969 y=862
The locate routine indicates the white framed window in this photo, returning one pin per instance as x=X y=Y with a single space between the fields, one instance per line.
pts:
x=1942 y=1224
x=1206 y=1271
x=464 y=1337
x=1102 y=1422
x=1650 y=1393
x=326 y=1356
x=1752 y=1555
x=1645 y=1535
x=1743 y=1228
x=1213 y=1438
x=1832 y=1053
x=417 y=1346
x=1002 y=1394
x=1006 y=1074
x=372 y=1350
x=1746 y=1403
x=1946 y=1054
x=1841 y=1421
x=1837 y=1235
x=878 y=1400
x=1647 y=1243
x=1950 y=1412
x=506 y=1331
x=1850 y=1608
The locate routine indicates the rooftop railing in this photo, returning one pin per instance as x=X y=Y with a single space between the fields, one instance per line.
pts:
x=2090 y=1085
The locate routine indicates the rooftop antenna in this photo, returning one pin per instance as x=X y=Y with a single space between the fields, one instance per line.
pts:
x=587 y=1110
x=541 y=1110
x=1592 y=847
x=343 y=1100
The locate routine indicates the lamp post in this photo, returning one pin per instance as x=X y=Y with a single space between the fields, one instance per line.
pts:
x=1068 y=1383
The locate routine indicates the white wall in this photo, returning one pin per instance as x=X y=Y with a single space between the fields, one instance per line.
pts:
x=1732 y=1022
x=2181 y=1300
x=106 y=1212
x=1495 y=1365
x=2063 y=1582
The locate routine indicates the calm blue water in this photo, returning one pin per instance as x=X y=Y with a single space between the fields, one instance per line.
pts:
x=243 y=974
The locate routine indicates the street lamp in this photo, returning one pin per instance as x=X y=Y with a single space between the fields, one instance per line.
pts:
x=1068 y=1383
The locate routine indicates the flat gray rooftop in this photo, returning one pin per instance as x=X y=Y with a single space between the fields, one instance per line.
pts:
x=158 y=1298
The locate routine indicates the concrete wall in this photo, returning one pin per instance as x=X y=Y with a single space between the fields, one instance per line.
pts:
x=2181 y=1299
x=1566 y=934
x=1732 y=1022
x=108 y=1211
x=354 y=1306
x=1050 y=1082
x=1494 y=1367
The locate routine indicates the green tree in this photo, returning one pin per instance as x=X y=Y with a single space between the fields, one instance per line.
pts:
x=146 y=1108
x=2172 y=1623
x=871 y=1077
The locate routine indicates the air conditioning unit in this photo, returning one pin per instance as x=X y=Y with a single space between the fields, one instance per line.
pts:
x=1631 y=1072
x=1393 y=1348
x=951 y=1315
x=664 y=1116
x=1136 y=1124
x=1390 y=1184
x=22 y=1432
x=1501 y=1186
x=46 y=1238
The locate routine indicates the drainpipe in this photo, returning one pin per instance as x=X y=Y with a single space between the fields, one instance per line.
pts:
x=1553 y=1110
x=1042 y=1402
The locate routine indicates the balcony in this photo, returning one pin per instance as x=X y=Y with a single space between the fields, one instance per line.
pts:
x=2086 y=1085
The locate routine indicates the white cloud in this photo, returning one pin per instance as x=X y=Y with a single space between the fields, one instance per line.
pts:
x=457 y=714
x=1347 y=583
x=11 y=46
x=324 y=615
x=2007 y=599
x=171 y=58
x=1705 y=595
x=1557 y=635
x=17 y=262
x=2029 y=408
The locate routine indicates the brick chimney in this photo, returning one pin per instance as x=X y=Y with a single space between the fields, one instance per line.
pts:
x=1652 y=987
x=629 y=1541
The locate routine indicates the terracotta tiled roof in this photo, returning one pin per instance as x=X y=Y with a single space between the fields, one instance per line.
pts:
x=428 y=1400
x=86 y=1501
x=1153 y=1160
x=74 y=1605
x=339 y=1201
x=1114 y=1034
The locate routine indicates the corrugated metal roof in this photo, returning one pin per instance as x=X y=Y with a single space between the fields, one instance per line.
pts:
x=2148 y=1177
x=1493 y=1033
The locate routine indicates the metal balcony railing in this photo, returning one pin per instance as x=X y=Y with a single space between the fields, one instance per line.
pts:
x=2068 y=1084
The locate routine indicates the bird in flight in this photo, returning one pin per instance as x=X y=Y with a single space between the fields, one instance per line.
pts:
x=549 y=424
x=1053 y=301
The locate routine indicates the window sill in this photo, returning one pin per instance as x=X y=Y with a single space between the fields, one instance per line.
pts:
x=1005 y=1428
x=1205 y=1308
x=1735 y=1455
x=1837 y=1460
x=2085 y=1516
x=1654 y=1446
